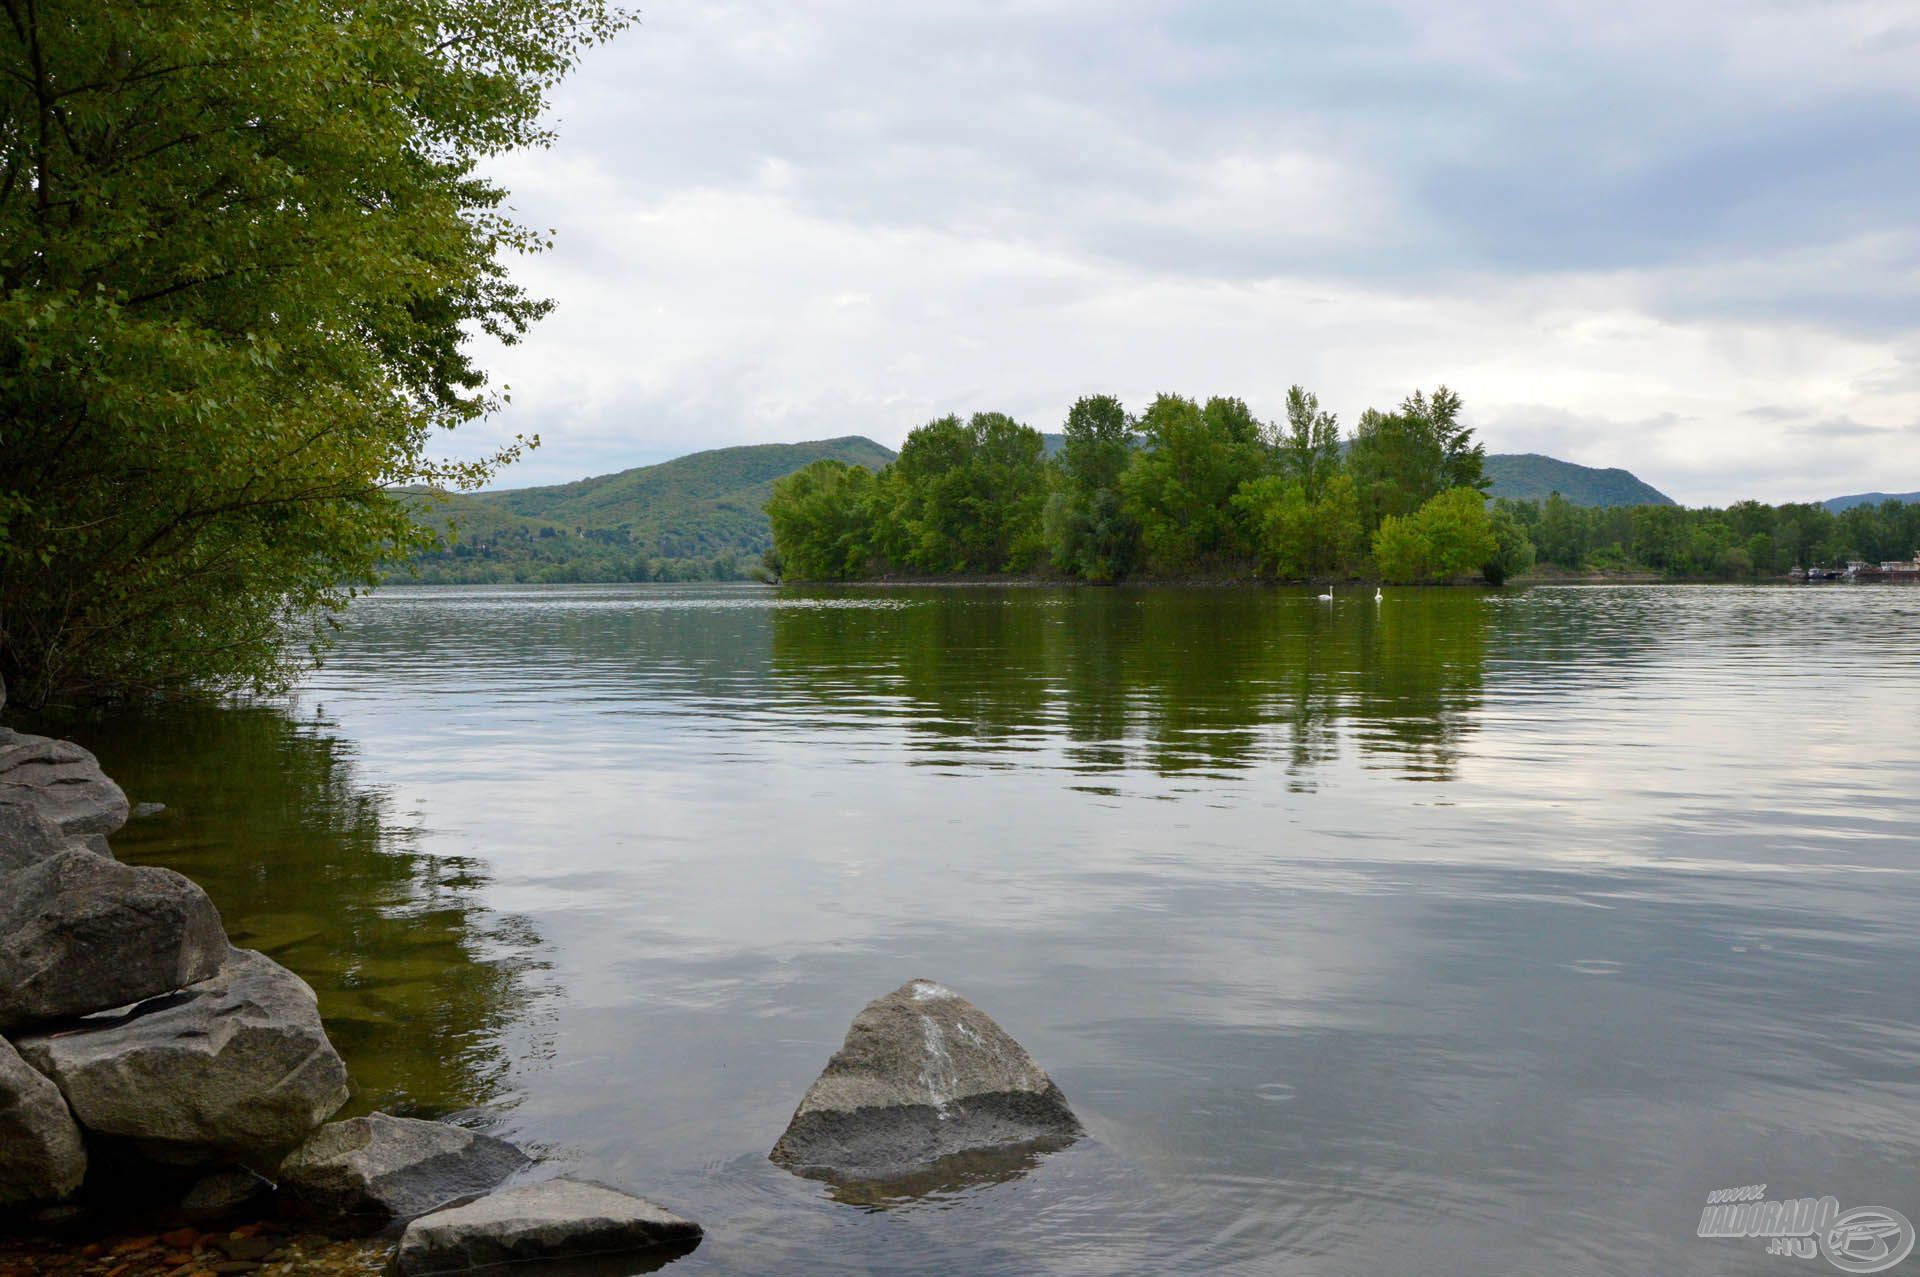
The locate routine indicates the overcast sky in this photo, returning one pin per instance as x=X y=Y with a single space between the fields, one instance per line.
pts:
x=1683 y=238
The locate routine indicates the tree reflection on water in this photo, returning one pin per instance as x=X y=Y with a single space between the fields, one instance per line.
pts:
x=310 y=862
x=1178 y=682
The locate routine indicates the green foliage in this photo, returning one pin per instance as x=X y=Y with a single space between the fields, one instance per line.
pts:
x=1450 y=536
x=1096 y=444
x=1181 y=484
x=1310 y=448
x=1747 y=539
x=1513 y=551
x=821 y=515
x=1399 y=551
x=696 y=517
x=965 y=497
x=241 y=248
x=1186 y=489
x=1297 y=537
x=1531 y=477
x=1402 y=460
x=1089 y=532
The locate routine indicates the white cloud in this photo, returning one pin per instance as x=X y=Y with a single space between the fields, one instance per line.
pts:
x=777 y=224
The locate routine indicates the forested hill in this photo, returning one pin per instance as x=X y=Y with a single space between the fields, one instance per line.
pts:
x=1528 y=476
x=1837 y=505
x=697 y=516
x=703 y=515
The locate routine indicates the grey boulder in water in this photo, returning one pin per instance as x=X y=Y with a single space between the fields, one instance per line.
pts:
x=553 y=1220
x=923 y=1077
x=368 y=1173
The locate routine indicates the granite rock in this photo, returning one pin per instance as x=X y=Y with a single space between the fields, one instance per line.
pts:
x=551 y=1220
x=369 y=1173
x=234 y=1068
x=81 y=933
x=62 y=782
x=924 y=1075
x=42 y=1158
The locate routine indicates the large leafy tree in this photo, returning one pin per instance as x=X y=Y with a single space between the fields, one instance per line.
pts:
x=1449 y=537
x=1402 y=460
x=822 y=517
x=1297 y=537
x=1180 y=488
x=967 y=496
x=242 y=244
x=1310 y=446
x=1088 y=529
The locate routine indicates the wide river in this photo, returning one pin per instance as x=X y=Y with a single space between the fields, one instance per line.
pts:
x=1465 y=933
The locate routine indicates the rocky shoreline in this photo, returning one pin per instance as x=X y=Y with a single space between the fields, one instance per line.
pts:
x=150 y=1071
x=168 y=1101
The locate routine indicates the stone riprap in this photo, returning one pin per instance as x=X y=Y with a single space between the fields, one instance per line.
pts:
x=369 y=1173
x=42 y=1158
x=236 y=1067
x=81 y=933
x=554 y=1219
x=924 y=1075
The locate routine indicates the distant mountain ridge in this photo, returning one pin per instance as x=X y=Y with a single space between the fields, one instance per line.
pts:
x=696 y=516
x=1835 y=505
x=703 y=515
x=1529 y=476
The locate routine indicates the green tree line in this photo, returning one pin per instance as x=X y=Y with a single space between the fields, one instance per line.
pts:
x=1742 y=541
x=547 y=555
x=1183 y=489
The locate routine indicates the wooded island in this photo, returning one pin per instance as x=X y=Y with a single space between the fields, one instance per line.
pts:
x=1208 y=491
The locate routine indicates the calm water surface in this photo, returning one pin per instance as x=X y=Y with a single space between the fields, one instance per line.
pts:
x=1472 y=933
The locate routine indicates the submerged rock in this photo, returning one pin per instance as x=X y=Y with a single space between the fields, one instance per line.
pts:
x=235 y=1068
x=366 y=1173
x=553 y=1219
x=924 y=1075
x=223 y=1195
x=41 y=1156
x=81 y=933
x=62 y=782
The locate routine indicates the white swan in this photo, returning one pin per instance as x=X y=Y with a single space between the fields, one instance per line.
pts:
x=1328 y=596
x=1377 y=596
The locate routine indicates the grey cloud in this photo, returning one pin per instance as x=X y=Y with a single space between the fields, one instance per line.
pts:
x=1840 y=428
x=1895 y=378
x=1654 y=227
x=1529 y=145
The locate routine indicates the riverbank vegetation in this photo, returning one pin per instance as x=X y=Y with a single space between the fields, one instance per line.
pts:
x=1208 y=491
x=241 y=250
x=1744 y=541
x=1185 y=489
